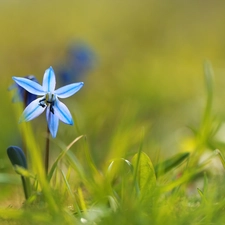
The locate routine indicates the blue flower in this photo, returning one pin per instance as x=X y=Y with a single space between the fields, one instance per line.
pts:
x=55 y=109
x=21 y=94
x=80 y=60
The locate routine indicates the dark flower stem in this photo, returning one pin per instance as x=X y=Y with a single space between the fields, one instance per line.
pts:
x=26 y=187
x=47 y=151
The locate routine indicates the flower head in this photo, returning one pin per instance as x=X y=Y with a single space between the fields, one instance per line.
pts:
x=55 y=109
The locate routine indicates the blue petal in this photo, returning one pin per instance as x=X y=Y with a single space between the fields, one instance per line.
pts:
x=68 y=90
x=32 y=110
x=30 y=98
x=29 y=85
x=49 y=80
x=62 y=112
x=53 y=122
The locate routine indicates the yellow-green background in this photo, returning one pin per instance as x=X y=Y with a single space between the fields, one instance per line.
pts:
x=148 y=73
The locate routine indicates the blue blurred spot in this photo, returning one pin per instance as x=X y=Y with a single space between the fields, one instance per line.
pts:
x=80 y=59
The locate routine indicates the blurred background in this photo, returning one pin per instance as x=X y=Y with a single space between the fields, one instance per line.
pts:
x=141 y=62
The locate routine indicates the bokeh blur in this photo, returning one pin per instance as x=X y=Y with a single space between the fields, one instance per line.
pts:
x=141 y=61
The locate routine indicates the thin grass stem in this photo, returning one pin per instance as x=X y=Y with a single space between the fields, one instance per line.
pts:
x=47 y=151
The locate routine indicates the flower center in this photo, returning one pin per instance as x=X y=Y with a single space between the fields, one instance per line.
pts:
x=48 y=100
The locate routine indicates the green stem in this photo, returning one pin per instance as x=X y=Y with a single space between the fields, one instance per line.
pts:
x=26 y=188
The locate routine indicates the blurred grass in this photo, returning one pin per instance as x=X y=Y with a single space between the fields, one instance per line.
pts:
x=149 y=70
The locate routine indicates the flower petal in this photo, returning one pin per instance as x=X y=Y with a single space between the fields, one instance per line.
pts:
x=32 y=111
x=68 y=90
x=29 y=85
x=62 y=112
x=53 y=122
x=49 y=80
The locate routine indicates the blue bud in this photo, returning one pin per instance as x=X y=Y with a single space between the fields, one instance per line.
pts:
x=17 y=156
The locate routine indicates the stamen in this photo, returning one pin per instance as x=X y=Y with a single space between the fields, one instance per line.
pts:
x=48 y=101
x=41 y=102
x=51 y=106
x=51 y=109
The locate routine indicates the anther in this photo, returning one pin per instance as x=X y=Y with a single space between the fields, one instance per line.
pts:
x=51 y=109
x=41 y=102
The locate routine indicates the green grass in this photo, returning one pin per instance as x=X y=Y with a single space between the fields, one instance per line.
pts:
x=147 y=146
x=128 y=188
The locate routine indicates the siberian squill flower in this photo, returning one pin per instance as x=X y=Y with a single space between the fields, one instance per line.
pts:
x=49 y=100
